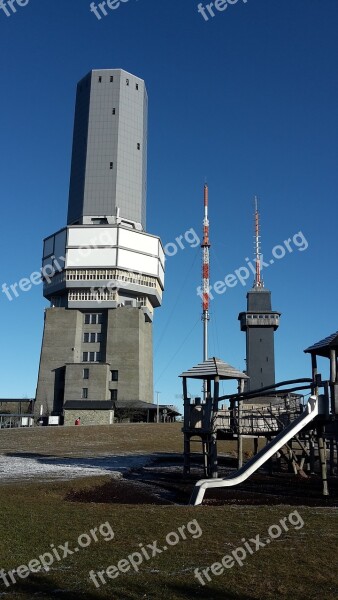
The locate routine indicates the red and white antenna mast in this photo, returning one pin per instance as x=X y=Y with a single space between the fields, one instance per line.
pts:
x=258 y=283
x=205 y=274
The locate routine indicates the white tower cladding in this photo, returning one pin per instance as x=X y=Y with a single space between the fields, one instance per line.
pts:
x=109 y=159
x=103 y=266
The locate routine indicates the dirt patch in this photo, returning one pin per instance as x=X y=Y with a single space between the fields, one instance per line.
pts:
x=119 y=491
x=162 y=482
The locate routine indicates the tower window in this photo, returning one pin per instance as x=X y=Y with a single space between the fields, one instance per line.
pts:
x=113 y=394
x=91 y=356
x=127 y=81
x=101 y=221
x=93 y=319
x=138 y=146
x=111 y=165
x=85 y=374
x=84 y=392
x=114 y=375
x=111 y=78
x=100 y=79
x=92 y=337
x=113 y=111
x=136 y=86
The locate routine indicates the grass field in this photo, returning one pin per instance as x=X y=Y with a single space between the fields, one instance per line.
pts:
x=299 y=564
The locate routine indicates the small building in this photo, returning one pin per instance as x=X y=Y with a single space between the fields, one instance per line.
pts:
x=17 y=406
x=16 y=412
x=91 y=412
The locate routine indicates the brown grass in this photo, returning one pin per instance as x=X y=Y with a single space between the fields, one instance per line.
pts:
x=299 y=565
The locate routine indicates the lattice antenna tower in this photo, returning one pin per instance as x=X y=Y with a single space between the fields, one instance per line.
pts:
x=258 y=283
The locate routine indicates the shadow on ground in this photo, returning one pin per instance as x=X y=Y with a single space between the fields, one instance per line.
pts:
x=41 y=586
x=158 y=479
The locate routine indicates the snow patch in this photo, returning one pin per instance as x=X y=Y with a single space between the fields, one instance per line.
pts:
x=28 y=467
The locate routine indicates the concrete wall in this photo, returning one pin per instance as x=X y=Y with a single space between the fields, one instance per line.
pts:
x=260 y=357
x=61 y=343
x=146 y=376
x=126 y=347
x=97 y=382
x=89 y=417
x=129 y=351
x=260 y=352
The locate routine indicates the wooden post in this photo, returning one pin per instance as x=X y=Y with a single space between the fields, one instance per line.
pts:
x=186 y=427
x=333 y=365
x=213 y=443
x=240 y=417
x=232 y=410
x=186 y=456
x=312 y=453
x=322 y=459
x=292 y=463
x=314 y=373
x=307 y=445
x=269 y=465
x=205 y=451
x=333 y=381
x=332 y=469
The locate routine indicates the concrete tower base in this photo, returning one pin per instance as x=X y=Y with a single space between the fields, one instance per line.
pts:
x=91 y=359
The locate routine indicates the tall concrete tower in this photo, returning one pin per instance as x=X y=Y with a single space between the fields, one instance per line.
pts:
x=259 y=322
x=103 y=274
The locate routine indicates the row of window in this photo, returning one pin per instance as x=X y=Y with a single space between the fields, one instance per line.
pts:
x=78 y=295
x=106 y=295
x=114 y=374
x=110 y=274
x=91 y=357
x=92 y=337
x=111 y=79
x=93 y=318
x=261 y=316
x=84 y=394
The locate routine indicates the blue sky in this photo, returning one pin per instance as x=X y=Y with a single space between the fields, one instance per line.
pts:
x=246 y=100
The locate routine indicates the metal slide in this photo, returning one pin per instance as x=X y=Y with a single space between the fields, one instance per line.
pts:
x=310 y=412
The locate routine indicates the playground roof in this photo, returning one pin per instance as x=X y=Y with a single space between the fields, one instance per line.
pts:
x=323 y=347
x=212 y=367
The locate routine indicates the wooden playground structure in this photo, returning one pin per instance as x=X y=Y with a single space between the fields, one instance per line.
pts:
x=305 y=435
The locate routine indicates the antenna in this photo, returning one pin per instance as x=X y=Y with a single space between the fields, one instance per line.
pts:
x=258 y=283
x=205 y=278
